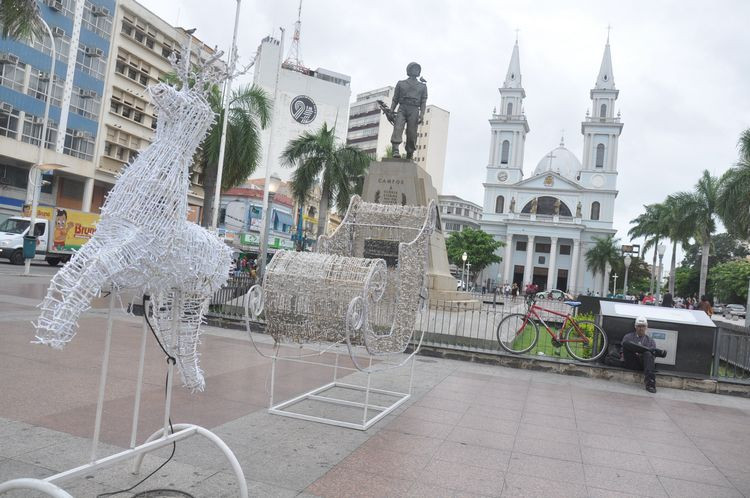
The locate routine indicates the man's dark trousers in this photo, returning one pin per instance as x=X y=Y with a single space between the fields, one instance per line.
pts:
x=407 y=115
x=643 y=361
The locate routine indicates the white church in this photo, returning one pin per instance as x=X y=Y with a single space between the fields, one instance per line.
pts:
x=549 y=220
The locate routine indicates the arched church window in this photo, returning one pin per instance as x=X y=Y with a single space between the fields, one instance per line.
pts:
x=603 y=111
x=600 y=156
x=548 y=205
x=595 y=210
x=509 y=109
x=505 y=152
x=499 y=204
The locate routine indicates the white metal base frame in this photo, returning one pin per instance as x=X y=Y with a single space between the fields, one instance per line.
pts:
x=320 y=394
x=159 y=439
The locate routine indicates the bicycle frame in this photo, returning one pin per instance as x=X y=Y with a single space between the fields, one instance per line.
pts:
x=532 y=311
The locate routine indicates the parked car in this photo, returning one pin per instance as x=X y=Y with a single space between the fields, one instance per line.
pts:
x=734 y=310
x=718 y=309
x=555 y=294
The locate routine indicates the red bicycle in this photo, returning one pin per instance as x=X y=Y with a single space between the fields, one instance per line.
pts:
x=584 y=340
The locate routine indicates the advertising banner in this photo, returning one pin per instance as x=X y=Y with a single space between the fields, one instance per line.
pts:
x=249 y=239
x=42 y=212
x=73 y=229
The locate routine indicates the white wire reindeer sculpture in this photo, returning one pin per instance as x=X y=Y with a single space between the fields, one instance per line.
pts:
x=144 y=241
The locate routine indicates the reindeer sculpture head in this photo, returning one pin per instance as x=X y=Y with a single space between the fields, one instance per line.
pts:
x=183 y=109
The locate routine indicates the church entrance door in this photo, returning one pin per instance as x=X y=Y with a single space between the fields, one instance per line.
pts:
x=518 y=276
x=562 y=279
x=540 y=277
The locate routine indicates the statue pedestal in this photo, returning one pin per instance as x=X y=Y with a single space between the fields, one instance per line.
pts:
x=401 y=181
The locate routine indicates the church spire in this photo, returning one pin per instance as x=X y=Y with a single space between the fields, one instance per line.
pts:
x=605 y=80
x=513 y=77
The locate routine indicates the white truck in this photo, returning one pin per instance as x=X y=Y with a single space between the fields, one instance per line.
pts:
x=59 y=233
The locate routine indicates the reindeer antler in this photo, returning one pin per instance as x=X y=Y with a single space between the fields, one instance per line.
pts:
x=206 y=73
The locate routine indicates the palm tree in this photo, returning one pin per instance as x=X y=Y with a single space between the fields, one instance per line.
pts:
x=604 y=251
x=318 y=157
x=20 y=19
x=733 y=203
x=652 y=226
x=679 y=231
x=699 y=210
x=249 y=111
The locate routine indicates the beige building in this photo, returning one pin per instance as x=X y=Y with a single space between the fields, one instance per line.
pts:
x=370 y=131
x=432 y=142
x=141 y=45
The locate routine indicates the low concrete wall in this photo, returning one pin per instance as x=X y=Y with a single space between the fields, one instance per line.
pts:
x=595 y=371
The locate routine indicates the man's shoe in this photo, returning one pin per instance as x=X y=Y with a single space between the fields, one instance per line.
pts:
x=659 y=353
x=651 y=388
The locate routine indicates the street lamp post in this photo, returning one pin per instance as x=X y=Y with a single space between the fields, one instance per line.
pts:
x=463 y=268
x=273 y=186
x=468 y=274
x=225 y=105
x=627 y=261
x=660 y=250
x=34 y=177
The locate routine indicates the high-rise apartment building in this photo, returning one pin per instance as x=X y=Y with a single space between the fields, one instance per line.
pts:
x=141 y=46
x=370 y=131
x=306 y=99
x=123 y=48
x=432 y=142
x=24 y=80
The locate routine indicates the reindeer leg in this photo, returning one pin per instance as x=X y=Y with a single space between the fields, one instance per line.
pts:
x=69 y=294
x=192 y=308
x=77 y=283
x=180 y=338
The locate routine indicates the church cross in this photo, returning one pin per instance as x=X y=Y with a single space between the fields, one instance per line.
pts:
x=609 y=27
x=517 y=30
x=550 y=156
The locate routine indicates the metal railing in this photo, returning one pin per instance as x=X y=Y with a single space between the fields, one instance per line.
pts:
x=230 y=300
x=471 y=326
x=732 y=354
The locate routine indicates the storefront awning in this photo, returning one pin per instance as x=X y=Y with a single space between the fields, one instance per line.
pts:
x=283 y=218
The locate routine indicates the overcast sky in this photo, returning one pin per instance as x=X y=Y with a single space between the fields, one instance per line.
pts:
x=682 y=68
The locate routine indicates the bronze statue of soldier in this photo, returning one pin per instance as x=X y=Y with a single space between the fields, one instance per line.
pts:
x=408 y=108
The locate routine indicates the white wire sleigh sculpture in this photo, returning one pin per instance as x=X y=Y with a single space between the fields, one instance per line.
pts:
x=359 y=294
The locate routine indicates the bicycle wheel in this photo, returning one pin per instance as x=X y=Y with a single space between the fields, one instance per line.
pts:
x=517 y=334
x=588 y=348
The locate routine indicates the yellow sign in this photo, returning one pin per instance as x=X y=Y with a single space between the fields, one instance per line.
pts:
x=73 y=229
x=42 y=212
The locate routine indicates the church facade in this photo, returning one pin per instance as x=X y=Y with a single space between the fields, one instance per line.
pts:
x=548 y=221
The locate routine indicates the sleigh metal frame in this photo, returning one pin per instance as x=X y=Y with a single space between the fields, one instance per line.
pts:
x=356 y=299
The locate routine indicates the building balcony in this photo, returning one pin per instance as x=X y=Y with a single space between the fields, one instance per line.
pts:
x=544 y=218
x=596 y=119
x=512 y=117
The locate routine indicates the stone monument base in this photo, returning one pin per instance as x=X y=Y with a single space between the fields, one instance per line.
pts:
x=401 y=181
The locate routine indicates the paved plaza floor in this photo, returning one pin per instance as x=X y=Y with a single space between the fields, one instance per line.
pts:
x=469 y=429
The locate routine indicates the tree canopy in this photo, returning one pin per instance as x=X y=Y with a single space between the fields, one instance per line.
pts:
x=479 y=246
x=318 y=157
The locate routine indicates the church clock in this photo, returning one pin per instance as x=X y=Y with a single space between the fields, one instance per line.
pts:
x=502 y=176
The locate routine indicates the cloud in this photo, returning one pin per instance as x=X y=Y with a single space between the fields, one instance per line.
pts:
x=681 y=68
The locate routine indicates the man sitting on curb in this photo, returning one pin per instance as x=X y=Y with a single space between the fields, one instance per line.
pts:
x=639 y=350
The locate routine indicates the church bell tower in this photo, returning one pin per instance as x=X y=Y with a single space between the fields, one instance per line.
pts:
x=508 y=128
x=601 y=130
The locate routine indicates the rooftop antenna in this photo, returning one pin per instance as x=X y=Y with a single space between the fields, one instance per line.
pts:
x=293 y=60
